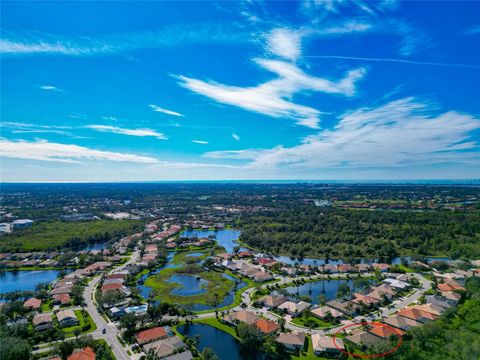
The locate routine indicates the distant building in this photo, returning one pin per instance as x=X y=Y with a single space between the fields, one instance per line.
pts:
x=79 y=217
x=21 y=224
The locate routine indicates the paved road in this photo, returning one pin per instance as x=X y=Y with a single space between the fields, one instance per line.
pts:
x=111 y=330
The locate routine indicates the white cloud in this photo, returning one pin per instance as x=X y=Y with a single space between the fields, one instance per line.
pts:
x=273 y=97
x=43 y=150
x=236 y=137
x=109 y=118
x=404 y=132
x=200 y=142
x=50 y=88
x=131 y=132
x=163 y=110
x=285 y=43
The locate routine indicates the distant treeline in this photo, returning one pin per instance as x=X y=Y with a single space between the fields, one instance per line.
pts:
x=343 y=233
x=73 y=235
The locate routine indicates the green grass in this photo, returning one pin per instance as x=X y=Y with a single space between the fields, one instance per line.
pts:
x=59 y=234
x=69 y=331
x=162 y=289
x=46 y=306
x=320 y=324
x=406 y=269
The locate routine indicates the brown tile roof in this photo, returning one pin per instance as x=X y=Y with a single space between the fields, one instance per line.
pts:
x=149 y=335
x=244 y=316
x=32 y=303
x=293 y=338
x=84 y=354
x=384 y=331
x=416 y=314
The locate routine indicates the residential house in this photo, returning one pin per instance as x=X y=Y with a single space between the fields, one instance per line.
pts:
x=363 y=339
x=186 y=355
x=397 y=284
x=165 y=347
x=365 y=300
x=324 y=311
x=272 y=302
x=42 y=321
x=452 y=297
x=347 y=307
x=400 y=322
x=450 y=285
x=262 y=276
x=323 y=344
x=417 y=314
x=247 y=317
x=62 y=299
x=293 y=340
x=146 y=336
x=67 y=318
x=383 y=331
x=32 y=304
x=431 y=308
x=293 y=308
x=267 y=326
x=83 y=354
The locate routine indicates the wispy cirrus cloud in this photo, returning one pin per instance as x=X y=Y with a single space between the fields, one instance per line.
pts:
x=43 y=150
x=235 y=137
x=272 y=98
x=473 y=30
x=130 y=132
x=50 y=88
x=38 y=43
x=159 y=109
x=202 y=142
x=404 y=132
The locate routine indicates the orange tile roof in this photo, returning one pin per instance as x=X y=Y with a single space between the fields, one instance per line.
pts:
x=32 y=303
x=416 y=314
x=151 y=334
x=84 y=354
x=267 y=326
x=384 y=331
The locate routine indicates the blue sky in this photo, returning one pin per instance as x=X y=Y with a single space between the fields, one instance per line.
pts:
x=319 y=90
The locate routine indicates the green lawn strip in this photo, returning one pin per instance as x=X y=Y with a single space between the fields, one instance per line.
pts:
x=406 y=269
x=82 y=321
x=217 y=324
x=320 y=324
x=308 y=355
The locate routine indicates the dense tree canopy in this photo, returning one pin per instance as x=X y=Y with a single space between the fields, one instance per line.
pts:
x=344 y=233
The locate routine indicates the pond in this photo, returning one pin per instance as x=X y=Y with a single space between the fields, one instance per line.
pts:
x=327 y=287
x=197 y=254
x=25 y=280
x=225 y=346
x=191 y=285
x=226 y=238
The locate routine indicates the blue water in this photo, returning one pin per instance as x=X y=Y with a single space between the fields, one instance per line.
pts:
x=225 y=346
x=190 y=285
x=315 y=289
x=25 y=280
x=96 y=246
x=226 y=238
x=197 y=254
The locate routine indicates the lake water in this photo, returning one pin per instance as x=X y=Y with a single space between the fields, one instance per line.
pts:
x=25 y=280
x=226 y=238
x=315 y=289
x=191 y=285
x=225 y=346
x=197 y=254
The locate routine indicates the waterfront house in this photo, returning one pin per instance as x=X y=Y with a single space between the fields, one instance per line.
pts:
x=247 y=317
x=397 y=284
x=146 y=336
x=324 y=311
x=42 y=321
x=32 y=304
x=262 y=276
x=67 y=318
x=165 y=347
x=323 y=344
x=365 y=300
x=347 y=307
x=186 y=355
x=83 y=354
x=267 y=326
x=292 y=341
x=62 y=290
